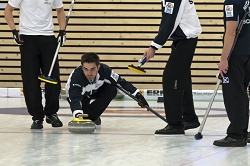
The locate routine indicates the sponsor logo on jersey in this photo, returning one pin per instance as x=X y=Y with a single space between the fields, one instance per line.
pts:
x=114 y=75
x=225 y=80
x=229 y=11
x=169 y=7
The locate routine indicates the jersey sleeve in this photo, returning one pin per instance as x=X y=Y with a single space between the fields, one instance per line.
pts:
x=231 y=10
x=115 y=78
x=14 y=3
x=170 y=10
x=57 y=4
x=74 y=90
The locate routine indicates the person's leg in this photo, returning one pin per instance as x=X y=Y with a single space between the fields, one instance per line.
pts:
x=246 y=84
x=190 y=119
x=30 y=69
x=85 y=108
x=235 y=94
x=104 y=95
x=245 y=130
x=188 y=103
x=175 y=76
x=52 y=91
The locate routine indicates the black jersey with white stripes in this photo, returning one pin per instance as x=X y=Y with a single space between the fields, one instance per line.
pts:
x=78 y=87
x=179 y=21
x=233 y=11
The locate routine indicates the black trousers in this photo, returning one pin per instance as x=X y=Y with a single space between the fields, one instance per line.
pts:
x=235 y=95
x=177 y=83
x=37 y=54
x=104 y=95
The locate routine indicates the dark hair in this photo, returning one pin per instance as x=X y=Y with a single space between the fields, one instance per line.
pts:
x=90 y=58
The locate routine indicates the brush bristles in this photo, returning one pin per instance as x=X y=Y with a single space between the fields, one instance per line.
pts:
x=136 y=69
x=47 y=80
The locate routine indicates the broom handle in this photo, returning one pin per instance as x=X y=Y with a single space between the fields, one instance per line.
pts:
x=58 y=45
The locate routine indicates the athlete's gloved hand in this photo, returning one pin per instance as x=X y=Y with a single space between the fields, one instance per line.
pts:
x=142 y=100
x=16 y=37
x=76 y=113
x=61 y=37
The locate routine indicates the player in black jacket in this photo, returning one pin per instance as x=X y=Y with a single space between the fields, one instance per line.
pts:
x=235 y=73
x=180 y=23
x=94 y=80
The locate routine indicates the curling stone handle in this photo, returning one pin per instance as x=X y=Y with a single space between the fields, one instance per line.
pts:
x=81 y=116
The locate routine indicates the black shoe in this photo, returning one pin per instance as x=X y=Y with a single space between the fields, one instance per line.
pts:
x=191 y=125
x=54 y=120
x=170 y=130
x=230 y=142
x=37 y=124
x=98 y=121
x=248 y=136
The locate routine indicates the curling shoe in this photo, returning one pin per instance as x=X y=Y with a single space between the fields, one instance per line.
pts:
x=98 y=121
x=37 y=124
x=191 y=125
x=168 y=130
x=230 y=142
x=54 y=120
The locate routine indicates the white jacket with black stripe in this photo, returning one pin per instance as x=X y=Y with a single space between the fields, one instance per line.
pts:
x=179 y=21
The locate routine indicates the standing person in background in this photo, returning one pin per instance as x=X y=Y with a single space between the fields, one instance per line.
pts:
x=37 y=45
x=180 y=23
x=236 y=74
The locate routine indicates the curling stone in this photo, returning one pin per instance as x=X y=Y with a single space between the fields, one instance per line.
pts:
x=81 y=126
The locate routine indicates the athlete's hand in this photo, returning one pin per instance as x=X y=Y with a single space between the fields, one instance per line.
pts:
x=17 y=37
x=223 y=67
x=149 y=53
x=142 y=100
x=61 y=37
